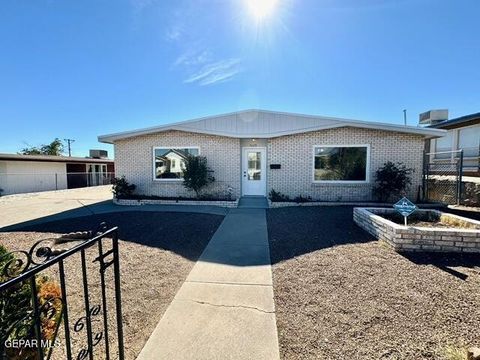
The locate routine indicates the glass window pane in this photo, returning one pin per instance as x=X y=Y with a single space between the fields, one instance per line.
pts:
x=170 y=162
x=469 y=141
x=341 y=163
x=254 y=171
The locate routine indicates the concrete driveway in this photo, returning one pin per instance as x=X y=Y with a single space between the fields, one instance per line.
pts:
x=16 y=209
x=30 y=209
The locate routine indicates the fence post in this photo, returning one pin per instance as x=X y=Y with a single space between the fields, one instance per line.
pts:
x=56 y=181
x=424 y=174
x=460 y=173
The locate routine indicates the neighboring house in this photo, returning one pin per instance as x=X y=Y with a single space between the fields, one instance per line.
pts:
x=463 y=134
x=169 y=163
x=32 y=173
x=255 y=151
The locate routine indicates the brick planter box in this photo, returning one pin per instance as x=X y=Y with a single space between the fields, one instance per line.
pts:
x=279 y=204
x=412 y=238
x=133 y=202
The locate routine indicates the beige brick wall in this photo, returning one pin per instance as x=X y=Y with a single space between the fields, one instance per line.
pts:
x=295 y=154
x=134 y=159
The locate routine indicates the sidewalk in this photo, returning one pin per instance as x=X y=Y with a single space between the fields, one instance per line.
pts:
x=225 y=308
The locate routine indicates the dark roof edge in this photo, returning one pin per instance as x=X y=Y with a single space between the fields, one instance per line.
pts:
x=51 y=158
x=456 y=121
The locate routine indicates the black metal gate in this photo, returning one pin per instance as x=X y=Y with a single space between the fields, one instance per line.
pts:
x=79 y=316
x=442 y=178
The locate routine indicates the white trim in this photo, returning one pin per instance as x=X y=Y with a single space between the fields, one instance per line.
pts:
x=188 y=126
x=367 y=166
x=169 y=147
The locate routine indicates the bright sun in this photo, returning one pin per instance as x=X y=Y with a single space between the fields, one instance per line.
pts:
x=261 y=8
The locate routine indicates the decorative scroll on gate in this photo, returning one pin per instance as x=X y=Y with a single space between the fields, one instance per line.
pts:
x=36 y=320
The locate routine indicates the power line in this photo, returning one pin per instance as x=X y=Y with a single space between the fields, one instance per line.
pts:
x=69 y=141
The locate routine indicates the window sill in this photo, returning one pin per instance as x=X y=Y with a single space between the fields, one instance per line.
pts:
x=168 y=180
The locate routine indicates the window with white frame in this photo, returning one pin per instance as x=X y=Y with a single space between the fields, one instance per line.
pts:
x=469 y=140
x=443 y=145
x=341 y=163
x=170 y=162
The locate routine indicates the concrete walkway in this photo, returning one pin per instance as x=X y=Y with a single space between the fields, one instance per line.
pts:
x=225 y=308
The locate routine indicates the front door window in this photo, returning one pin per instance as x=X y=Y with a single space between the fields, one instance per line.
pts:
x=254 y=170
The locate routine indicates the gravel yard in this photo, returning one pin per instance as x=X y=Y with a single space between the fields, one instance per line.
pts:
x=341 y=295
x=157 y=251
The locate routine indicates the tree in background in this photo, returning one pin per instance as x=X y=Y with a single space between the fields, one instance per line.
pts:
x=55 y=148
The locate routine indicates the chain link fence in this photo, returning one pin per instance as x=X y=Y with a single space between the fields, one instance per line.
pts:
x=25 y=183
x=446 y=179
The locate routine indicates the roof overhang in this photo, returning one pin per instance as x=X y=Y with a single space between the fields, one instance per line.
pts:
x=51 y=158
x=325 y=123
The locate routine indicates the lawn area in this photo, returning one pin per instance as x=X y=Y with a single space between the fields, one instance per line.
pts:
x=157 y=252
x=339 y=294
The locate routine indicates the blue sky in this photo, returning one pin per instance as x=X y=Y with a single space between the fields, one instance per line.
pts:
x=78 y=69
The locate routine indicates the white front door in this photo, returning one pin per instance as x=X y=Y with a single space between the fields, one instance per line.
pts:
x=254 y=171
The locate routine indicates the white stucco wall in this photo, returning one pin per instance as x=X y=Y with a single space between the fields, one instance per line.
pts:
x=31 y=176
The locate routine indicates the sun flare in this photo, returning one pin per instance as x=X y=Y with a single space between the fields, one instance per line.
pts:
x=260 y=9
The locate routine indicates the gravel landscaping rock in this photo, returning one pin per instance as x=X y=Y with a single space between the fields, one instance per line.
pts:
x=341 y=295
x=157 y=252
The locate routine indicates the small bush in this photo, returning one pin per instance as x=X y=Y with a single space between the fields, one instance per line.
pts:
x=277 y=196
x=196 y=174
x=391 y=180
x=302 y=199
x=454 y=353
x=15 y=302
x=122 y=188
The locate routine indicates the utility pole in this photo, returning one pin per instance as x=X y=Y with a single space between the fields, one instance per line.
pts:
x=69 y=141
x=405 y=117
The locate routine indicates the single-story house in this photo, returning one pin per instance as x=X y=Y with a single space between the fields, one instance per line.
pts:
x=463 y=133
x=254 y=151
x=33 y=173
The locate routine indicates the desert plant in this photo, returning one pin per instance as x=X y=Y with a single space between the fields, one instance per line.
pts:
x=454 y=353
x=122 y=188
x=391 y=180
x=277 y=196
x=196 y=173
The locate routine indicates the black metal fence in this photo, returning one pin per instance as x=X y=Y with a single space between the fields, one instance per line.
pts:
x=41 y=318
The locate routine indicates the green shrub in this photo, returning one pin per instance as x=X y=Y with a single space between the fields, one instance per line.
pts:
x=391 y=181
x=277 y=196
x=302 y=199
x=196 y=173
x=15 y=303
x=122 y=188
